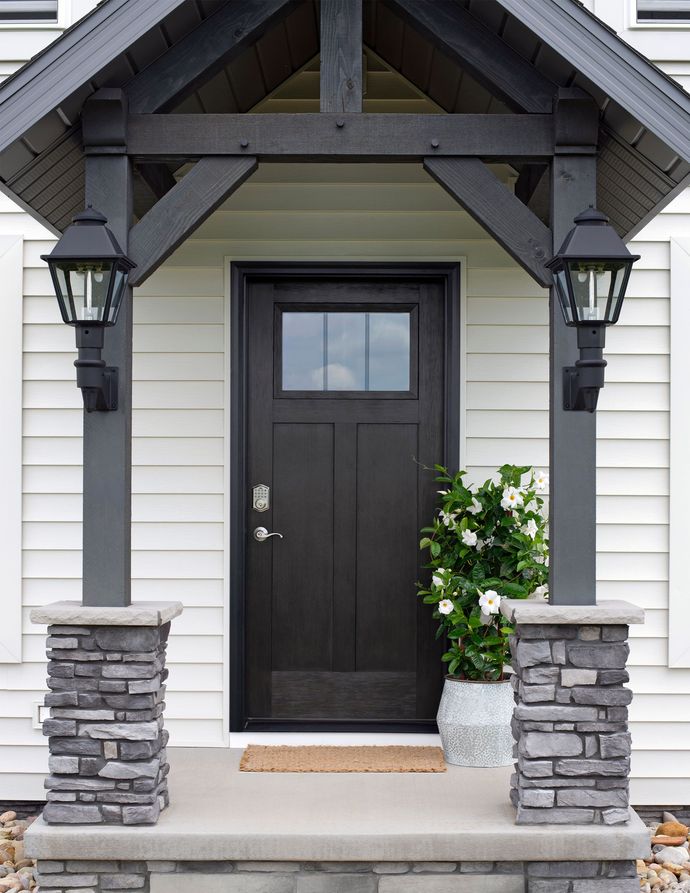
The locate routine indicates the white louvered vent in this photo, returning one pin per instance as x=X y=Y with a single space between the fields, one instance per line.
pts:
x=28 y=11
x=663 y=11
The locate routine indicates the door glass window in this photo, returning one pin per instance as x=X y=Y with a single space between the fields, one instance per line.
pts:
x=343 y=351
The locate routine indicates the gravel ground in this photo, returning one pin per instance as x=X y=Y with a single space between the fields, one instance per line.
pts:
x=16 y=872
x=668 y=866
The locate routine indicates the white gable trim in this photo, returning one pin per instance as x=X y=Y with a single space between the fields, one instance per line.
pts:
x=11 y=276
x=679 y=529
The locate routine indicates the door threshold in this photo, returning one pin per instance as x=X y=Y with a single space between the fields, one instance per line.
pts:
x=344 y=739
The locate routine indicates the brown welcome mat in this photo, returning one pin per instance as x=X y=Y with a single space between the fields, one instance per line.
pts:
x=312 y=758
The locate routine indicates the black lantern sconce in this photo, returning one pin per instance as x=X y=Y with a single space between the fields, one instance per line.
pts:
x=591 y=273
x=89 y=272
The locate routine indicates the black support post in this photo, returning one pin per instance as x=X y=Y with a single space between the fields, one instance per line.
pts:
x=572 y=435
x=108 y=435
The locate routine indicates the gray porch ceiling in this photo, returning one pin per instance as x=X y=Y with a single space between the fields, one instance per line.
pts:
x=644 y=137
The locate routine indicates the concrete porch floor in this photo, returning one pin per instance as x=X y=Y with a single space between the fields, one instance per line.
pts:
x=219 y=813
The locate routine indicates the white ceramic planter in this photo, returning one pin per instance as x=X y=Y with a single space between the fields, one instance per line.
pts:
x=474 y=723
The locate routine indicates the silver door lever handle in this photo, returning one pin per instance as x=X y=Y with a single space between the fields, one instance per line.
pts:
x=261 y=534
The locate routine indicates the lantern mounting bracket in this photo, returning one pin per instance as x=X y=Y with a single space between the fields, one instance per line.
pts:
x=98 y=382
x=583 y=381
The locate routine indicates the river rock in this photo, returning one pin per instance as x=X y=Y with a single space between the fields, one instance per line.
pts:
x=673 y=829
x=676 y=855
x=663 y=840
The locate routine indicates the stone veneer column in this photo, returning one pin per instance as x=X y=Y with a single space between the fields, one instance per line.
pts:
x=571 y=716
x=107 y=743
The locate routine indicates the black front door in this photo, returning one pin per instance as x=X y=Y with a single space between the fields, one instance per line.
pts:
x=345 y=405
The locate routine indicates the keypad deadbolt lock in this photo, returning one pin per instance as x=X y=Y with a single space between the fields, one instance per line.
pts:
x=261 y=498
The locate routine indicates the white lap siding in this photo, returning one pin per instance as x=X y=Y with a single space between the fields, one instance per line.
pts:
x=180 y=447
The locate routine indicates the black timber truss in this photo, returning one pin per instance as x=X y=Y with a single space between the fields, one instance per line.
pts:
x=550 y=130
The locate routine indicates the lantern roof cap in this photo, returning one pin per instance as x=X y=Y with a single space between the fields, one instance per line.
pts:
x=88 y=238
x=593 y=238
x=590 y=217
x=89 y=216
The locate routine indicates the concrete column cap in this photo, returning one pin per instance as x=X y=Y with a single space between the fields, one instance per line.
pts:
x=607 y=613
x=137 y=614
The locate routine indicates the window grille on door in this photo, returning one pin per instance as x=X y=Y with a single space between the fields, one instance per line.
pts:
x=663 y=11
x=28 y=11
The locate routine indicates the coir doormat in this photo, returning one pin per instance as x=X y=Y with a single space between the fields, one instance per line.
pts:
x=312 y=758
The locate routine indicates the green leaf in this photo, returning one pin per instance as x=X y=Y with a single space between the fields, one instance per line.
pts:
x=514 y=590
x=435 y=548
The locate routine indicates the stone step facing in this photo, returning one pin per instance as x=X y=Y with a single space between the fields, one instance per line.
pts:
x=339 y=877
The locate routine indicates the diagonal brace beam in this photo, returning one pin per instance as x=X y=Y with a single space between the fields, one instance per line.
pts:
x=501 y=214
x=482 y=53
x=182 y=210
x=200 y=55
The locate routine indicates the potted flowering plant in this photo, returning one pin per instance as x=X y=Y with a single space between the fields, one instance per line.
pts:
x=486 y=543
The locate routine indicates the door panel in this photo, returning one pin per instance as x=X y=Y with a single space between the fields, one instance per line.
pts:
x=302 y=602
x=387 y=547
x=345 y=405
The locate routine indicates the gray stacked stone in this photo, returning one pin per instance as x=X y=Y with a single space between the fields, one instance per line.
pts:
x=107 y=743
x=338 y=877
x=571 y=724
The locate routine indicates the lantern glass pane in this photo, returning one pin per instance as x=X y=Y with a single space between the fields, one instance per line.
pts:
x=560 y=280
x=597 y=288
x=119 y=283
x=84 y=290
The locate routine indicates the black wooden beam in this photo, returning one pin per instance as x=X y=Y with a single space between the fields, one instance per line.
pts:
x=178 y=214
x=202 y=53
x=572 y=435
x=107 y=474
x=495 y=207
x=498 y=67
x=341 y=55
x=329 y=137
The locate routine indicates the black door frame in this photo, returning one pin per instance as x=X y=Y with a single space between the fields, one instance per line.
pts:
x=240 y=274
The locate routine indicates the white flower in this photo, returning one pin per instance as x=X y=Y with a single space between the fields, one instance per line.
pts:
x=448 y=518
x=476 y=506
x=540 y=592
x=530 y=528
x=532 y=506
x=437 y=578
x=469 y=537
x=445 y=606
x=539 y=559
x=489 y=601
x=512 y=498
x=480 y=544
x=541 y=481
x=443 y=492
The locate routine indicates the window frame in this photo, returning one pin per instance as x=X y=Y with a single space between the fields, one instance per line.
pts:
x=280 y=393
x=63 y=20
x=633 y=23
x=679 y=449
x=11 y=372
